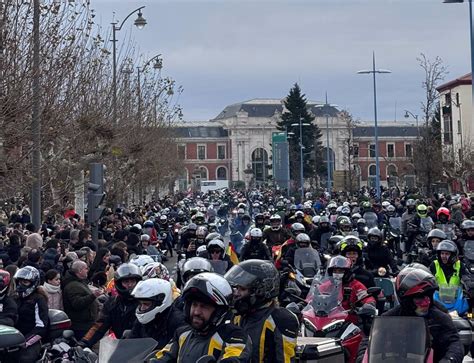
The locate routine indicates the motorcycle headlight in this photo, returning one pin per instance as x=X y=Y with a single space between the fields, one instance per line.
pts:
x=310 y=326
x=332 y=326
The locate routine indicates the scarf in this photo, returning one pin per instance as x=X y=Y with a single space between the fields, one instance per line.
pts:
x=51 y=288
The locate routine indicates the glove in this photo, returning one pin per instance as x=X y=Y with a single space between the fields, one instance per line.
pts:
x=446 y=360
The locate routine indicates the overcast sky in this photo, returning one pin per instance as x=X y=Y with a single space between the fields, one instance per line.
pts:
x=227 y=51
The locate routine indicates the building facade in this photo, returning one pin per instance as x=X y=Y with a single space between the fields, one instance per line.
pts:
x=395 y=150
x=457 y=130
x=205 y=151
x=236 y=146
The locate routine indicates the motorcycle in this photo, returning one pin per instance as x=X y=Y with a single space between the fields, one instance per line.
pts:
x=125 y=350
x=66 y=350
x=469 y=255
x=324 y=315
x=308 y=262
x=396 y=339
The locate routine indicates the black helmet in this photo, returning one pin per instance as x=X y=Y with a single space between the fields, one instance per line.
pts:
x=343 y=263
x=333 y=242
x=261 y=277
x=4 y=283
x=436 y=233
x=448 y=246
x=297 y=228
x=212 y=289
x=195 y=266
x=350 y=243
x=375 y=232
x=303 y=240
x=28 y=273
x=414 y=281
x=467 y=224
x=126 y=271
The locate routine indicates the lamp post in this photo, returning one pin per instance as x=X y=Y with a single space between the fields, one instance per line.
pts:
x=301 y=124
x=374 y=71
x=140 y=23
x=471 y=24
x=408 y=114
x=158 y=65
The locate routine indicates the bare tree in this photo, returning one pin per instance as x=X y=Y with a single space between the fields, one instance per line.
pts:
x=427 y=157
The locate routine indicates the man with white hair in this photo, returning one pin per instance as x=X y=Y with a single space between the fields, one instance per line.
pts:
x=80 y=303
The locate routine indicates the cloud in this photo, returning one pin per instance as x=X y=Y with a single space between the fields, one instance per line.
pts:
x=227 y=51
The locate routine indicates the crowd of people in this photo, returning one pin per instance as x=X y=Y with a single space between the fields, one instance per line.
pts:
x=233 y=248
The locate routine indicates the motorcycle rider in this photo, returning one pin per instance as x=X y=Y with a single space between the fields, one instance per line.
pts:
x=302 y=240
x=409 y=230
x=377 y=254
x=467 y=232
x=340 y=269
x=255 y=248
x=259 y=221
x=296 y=228
x=217 y=256
x=447 y=268
x=344 y=226
x=207 y=299
x=157 y=317
x=200 y=240
x=32 y=312
x=352 y=247
x=324 y=229
x=435 y=236
x=273 y=330
x=188 y=236
x=118 y=312
x=415 y=288
x=444 y=215
x=275 y=235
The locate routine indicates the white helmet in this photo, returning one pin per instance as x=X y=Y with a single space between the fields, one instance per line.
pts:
x=256 y=233
x=346 y=204
x=137 y=225
x=141 y=261
x=200 y=250
x=315 y=219
x=385 y=204
x=216 y=243
x=156 y=270
x=159 y=292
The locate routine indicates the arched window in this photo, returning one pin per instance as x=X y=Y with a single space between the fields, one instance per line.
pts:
x=259 y=165
x=392 y=175
x=409 y=171
x=371 y=180
x=221 y=173
x=204 y=173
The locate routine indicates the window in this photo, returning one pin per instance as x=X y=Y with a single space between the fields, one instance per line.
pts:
x=371 y=180
x=408 y=151
x=203 y=173
x=221 y=152
x=390 y=150
x=181 y=152
x=372 y=170
x=372 y=150
x=221 y=173
x=201 y=152
x=459 y=127
x=355 y=150
x=447 y=128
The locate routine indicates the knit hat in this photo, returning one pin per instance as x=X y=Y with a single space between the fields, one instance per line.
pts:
x=34 y=240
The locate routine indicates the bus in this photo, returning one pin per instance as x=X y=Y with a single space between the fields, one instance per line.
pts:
x=207 y=185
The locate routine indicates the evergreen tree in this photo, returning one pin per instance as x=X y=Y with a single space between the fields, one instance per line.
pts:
x=296 y=109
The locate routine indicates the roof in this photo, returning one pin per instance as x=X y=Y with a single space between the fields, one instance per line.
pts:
x=268 y=107
x=386 y=131
x=464 y=80
x=199 y=130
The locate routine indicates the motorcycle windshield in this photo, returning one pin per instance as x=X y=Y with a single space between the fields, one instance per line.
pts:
x=448 y=293
x=371 y=219
x=395 y=339
x=325 y=296
x=396 y=223
x=220 y=267
x=307 y=261
x=125 y=350
x=469 y=249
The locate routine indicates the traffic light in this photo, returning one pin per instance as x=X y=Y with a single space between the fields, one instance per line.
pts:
x=95 y=197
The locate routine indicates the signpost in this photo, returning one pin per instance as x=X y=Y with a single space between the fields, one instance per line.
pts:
x=280 y=160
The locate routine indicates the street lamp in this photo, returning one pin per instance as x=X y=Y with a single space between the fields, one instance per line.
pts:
x=301 y=124
x=158 y=65
x=471 y=24
x=374 y=71
x=408 y=114
x=140 y=23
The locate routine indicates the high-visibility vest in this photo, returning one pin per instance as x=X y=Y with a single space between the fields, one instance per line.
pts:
x=441 y=279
